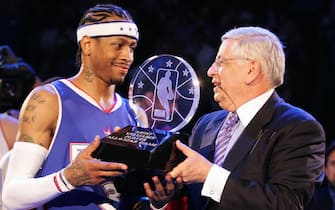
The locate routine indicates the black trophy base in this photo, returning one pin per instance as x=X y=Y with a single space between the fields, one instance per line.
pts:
x=147 y=152
x=141 y=148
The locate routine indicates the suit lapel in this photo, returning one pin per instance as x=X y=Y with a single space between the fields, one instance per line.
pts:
x=212 y=130
x=239 y=150
x=251 y=134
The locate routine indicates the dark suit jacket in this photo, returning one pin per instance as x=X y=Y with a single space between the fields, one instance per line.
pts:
x=322 y=199
x=274 y=164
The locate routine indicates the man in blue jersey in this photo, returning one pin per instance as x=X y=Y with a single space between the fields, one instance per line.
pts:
x=51 y=164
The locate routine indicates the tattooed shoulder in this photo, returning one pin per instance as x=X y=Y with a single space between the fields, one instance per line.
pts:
x=29 y=110
x=37 y=97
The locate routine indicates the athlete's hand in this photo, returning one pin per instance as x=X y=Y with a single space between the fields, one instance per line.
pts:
x=86 y=170
x=162 y=194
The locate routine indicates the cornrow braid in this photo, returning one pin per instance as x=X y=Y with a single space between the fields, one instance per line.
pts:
x=100 y=12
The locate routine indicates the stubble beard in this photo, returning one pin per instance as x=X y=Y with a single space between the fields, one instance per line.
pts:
x=116 y=81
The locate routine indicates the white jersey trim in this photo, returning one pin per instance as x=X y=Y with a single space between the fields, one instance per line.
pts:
x=89 y=98
x=59 y=118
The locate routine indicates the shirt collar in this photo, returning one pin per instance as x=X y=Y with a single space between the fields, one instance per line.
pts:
x=248 y=110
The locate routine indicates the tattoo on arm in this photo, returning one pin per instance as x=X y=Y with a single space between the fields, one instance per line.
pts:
x=38 y=98
x=28 y=119
x=81 y=175
x=29 y=114
x=27 y=138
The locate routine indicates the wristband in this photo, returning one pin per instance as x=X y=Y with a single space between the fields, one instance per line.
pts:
x=61 y=183
x=57 y=184
x=67 y=184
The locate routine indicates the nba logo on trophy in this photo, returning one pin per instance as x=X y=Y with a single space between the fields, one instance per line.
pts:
x=165 y=94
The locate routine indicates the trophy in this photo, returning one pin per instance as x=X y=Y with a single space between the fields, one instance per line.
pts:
x=164 y=94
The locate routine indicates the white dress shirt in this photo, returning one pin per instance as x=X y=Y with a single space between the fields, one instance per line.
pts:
x=217 y=176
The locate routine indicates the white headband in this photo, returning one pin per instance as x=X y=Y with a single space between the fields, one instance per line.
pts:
x=114 y=28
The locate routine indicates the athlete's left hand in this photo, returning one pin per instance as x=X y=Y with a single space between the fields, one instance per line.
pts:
x=162 y=194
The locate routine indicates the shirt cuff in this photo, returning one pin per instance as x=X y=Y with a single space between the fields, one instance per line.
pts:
x=154 y=208
x=212 y=187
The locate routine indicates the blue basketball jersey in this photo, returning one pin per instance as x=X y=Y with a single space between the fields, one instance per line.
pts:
x=80 y=120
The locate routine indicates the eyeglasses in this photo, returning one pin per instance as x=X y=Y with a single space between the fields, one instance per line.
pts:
x=219 y=62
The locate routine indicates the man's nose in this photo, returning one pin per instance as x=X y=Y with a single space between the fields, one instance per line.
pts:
x=212 y=71
x=128 y=54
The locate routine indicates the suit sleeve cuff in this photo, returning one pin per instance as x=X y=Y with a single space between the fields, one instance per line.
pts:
x=215 y=182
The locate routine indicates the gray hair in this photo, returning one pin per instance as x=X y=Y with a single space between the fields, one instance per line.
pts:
x=260 y=44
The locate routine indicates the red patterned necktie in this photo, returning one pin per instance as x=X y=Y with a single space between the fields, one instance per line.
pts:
x=223 y=138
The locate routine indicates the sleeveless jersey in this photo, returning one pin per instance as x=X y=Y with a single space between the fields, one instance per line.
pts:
x=80 y=120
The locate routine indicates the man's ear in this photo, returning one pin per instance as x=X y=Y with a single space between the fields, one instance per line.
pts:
x=85 y=44
x=253 y=72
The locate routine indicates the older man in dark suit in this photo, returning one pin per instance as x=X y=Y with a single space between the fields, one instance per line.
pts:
x=271 y=156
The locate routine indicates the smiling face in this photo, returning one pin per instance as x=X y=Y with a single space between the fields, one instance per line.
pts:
x=108 y=58
x=111 y=57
